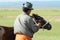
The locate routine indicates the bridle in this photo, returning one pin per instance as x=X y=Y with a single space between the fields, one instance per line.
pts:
x=44 y=25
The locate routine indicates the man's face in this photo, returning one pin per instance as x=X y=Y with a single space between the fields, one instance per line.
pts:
x=29 y=11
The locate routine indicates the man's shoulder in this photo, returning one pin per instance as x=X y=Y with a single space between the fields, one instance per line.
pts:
x=24 y=16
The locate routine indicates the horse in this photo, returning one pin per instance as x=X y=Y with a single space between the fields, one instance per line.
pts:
x=7 y=33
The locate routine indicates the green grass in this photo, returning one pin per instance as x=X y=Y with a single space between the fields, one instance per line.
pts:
x=47 y=12
x=16 y=11
x=9 y=12
x=53 y=34
x=7 y=21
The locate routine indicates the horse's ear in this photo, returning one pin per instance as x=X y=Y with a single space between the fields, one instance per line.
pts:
x=33 y=15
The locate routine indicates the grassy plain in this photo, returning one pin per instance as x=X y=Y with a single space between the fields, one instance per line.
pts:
x=8 y=15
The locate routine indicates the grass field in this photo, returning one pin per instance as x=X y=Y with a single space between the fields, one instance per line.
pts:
x=8 y=15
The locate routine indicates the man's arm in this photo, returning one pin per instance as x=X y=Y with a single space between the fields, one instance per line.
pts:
x=34 y=26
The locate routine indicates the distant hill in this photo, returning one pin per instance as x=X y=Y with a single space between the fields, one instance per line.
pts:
x=43 y=4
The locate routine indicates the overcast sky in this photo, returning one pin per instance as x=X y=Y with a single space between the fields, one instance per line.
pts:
x=25 y=0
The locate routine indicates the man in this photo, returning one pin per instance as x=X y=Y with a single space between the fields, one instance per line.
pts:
x=24 y=26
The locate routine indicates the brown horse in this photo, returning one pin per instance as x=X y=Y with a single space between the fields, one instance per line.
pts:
x=6 y=33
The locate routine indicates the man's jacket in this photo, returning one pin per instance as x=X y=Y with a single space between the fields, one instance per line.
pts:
x=25 y=24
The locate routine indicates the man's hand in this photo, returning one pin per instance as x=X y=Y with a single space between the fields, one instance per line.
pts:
x=38 y=24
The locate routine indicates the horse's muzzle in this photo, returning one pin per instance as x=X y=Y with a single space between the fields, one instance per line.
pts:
x=48 y=26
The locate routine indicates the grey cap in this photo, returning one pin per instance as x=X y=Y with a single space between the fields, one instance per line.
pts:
x=28 y=5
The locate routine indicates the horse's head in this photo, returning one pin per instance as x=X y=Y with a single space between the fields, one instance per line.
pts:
x=44 y=23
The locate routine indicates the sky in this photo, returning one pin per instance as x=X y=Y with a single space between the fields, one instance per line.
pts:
x=41 y=3
x=25 y=0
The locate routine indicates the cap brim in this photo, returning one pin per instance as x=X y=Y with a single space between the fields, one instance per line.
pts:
x=31 y=8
